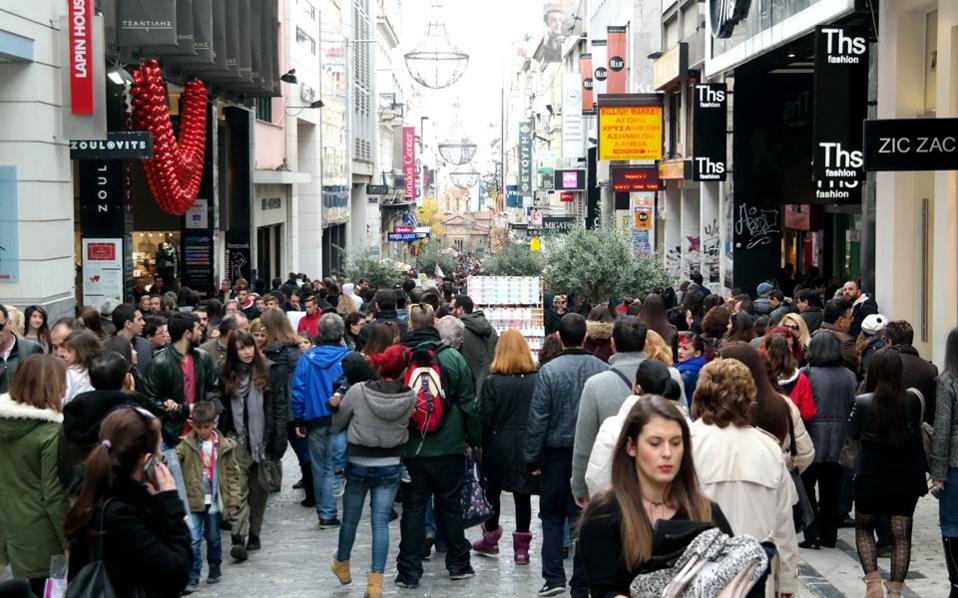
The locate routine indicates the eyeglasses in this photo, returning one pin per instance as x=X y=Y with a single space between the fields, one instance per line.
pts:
x=791 y=327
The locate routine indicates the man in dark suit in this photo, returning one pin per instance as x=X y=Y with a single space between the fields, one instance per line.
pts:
x=13 y=350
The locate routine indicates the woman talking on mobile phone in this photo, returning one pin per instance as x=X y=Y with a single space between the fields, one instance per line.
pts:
x=128 y=512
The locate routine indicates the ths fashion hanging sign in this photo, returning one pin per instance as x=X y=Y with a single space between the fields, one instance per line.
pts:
x=176 y=169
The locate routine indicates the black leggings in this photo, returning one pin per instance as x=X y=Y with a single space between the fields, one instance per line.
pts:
x=523 y=509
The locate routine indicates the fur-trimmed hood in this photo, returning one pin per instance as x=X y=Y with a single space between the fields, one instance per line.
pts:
x=599 y=331
x=17 y=419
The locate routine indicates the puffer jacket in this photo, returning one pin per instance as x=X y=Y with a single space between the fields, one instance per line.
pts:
x=376 y=414
x=275 y=406
x=555 y=402
x=32 y=501
x=459 y=427
x=227 y=473
x=833 y=389
x=479 y=341
x=164 y=380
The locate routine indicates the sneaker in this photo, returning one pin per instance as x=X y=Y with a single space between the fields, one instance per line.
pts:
x=339 y=486
x=404 y=476
x=329 y=523
x=191 y=587
x=405 y=583
x=463 y=573
x=551 y=590
x=215 y=575
x=238 y=551
x=253 y=543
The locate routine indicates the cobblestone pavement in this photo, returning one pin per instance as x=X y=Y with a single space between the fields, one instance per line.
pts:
x=296 y=554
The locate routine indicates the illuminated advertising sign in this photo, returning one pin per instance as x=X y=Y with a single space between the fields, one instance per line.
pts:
x=635 y=178
x=630 y=127
x=570 y=180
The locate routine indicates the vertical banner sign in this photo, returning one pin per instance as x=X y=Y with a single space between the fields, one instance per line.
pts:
x=81 y=56
x=409 y=162
x=102 y=197
x=572 y=133
x=9 y=225
x=585 y=73
x=709 y=114
x=102 y=270
x=617 y=48
x=841 y=96
x=525 y=158
x=630 y=127
x=600 y=69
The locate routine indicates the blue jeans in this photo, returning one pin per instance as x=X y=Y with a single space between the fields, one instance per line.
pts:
x=382 y=484
x=172 y=462
x=948 y=505
x=205 y=525
x=325 y=450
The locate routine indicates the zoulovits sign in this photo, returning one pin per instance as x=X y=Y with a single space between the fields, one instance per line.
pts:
x=118 y=145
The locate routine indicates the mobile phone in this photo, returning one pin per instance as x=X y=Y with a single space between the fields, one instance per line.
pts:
x=149 y=470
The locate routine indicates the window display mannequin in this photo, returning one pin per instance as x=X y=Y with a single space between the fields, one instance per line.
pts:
x=167 y=260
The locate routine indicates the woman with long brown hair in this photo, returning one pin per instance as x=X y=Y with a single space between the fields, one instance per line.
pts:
x=255 y=413
x=741 y=329
x=382 y=336
x=128 y=512
x=654 y=314
x=32 y=502
x=653 y=479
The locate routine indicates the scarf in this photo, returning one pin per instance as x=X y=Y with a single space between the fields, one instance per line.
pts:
x=249 y=415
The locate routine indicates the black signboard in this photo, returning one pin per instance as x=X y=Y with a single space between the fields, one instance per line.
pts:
x=911 y=144
x=570 y=180
x=377 y=189
x=118 y=145
x=145 y=23
x=593 y=214
x=635 y=178
x=198 y=262
x=184 y=33
x=102 y=191
x=562 y=224
x=202 y=30
x=709 y=114
x=841 y=97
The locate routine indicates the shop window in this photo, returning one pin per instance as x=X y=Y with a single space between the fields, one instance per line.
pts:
x=307 y=8
x=264 y=109
x=931 y=61
x=156 y=252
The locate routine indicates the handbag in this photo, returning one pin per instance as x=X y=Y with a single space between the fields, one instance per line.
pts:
x=93 y=580
x=473 y=505
x=925 y=429
x=848 y=458
x=803 y=515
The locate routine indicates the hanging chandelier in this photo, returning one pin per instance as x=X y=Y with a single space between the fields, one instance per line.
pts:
x=436 y=62
x=464 y=179
x=457 y=149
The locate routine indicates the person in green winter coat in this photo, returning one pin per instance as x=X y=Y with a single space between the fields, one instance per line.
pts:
x=32 y=501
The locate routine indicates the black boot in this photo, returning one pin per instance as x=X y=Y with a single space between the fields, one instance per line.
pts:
x=951 y=561
x=238 y=551
x=307 y=472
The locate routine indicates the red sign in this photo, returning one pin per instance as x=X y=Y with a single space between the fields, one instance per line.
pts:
x=567 y=196
x=636 y=178
x=617 y=51
x=100 y=252
x=81 y=56
x=409 y=161
x=404 y=229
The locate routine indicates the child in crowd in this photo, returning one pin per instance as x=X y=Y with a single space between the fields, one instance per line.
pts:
x=305 y=342
x=212 y=479
x=78 y=349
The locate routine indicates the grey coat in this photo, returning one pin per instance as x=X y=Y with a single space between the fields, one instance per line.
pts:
x=555 y=402
x=377 y=415
x=944 y=443
x=833 y=389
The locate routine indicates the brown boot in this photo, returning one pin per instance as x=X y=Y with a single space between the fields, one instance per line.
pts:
x=894 y=588
x=341 y=569
x=374 y=585
x=873 y=587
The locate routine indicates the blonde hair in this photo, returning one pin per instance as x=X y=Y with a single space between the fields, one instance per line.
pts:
x=724 y=394
x=655 y=348
x=512 y=355
x=346 y=305
x=804 y=338
x=15 y=318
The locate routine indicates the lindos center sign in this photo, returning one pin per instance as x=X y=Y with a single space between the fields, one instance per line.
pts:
x=630 y=126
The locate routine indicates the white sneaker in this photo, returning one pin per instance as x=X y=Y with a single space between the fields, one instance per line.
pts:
x=339 y=487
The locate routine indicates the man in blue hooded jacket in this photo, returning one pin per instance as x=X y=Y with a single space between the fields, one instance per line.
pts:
x=317 y=374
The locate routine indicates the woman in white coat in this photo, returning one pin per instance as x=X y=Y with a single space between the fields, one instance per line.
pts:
x=743 y=467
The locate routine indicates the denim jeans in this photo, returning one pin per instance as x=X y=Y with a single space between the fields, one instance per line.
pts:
x=205 y=525
x=300 y=445
x=440 y=476
x=382 y=484
x=326 y=448
x=172 y=461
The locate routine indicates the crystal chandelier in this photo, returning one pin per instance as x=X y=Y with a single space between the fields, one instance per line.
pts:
x=436 y=62
x=457 y=149
x=464 y=179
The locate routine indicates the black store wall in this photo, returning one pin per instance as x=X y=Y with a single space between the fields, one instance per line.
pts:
x=771 y=166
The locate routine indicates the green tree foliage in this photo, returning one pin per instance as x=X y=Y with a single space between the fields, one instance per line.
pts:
x=598 y=265
x=428 y=258
x=515 y=259
x=381 y=274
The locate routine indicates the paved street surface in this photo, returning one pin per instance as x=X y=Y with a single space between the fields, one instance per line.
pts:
x=296 y=555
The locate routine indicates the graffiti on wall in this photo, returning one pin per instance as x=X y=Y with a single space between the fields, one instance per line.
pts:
x=755 y=227
x=711 y=266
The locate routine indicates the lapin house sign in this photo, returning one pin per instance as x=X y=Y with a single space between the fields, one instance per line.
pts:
x=841 y=98
x=409 y=162
x=81 y=56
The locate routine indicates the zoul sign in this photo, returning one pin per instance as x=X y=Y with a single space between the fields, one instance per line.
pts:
x=630 y=127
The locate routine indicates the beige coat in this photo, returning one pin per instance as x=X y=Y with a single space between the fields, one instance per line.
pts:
x=804 y=449
x=744 y=471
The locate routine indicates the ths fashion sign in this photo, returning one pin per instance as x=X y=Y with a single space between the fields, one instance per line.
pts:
x=630 y=127
x=709 y=114
x=841 y=99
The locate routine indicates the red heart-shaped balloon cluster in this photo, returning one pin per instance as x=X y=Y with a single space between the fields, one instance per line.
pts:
x=176 y=169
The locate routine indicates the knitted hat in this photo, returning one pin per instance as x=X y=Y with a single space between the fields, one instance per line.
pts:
x=348 y=288
x=392 y=362
x=873 y=324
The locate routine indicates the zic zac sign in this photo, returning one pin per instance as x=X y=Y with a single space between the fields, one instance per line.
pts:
x=176 y=169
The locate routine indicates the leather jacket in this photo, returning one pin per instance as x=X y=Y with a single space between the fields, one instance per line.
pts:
x=164 y=380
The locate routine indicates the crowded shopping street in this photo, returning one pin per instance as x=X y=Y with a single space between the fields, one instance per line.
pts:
x=447 y=298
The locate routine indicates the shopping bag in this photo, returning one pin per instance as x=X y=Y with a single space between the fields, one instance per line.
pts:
x=472 y=499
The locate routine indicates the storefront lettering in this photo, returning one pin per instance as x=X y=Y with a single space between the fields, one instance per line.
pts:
x=836 y=157
x=924 y=145
x=710 y=97
x=842 y=48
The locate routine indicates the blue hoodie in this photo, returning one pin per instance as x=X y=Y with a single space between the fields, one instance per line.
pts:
x=690 y=369
x=313 y=384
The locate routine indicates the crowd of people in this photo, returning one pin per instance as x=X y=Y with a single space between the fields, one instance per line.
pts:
x=134 y=433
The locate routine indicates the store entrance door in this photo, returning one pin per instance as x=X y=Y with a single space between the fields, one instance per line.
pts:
x=269 y=251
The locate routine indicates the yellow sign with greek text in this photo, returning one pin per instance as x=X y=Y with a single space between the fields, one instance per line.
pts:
x=630 y=132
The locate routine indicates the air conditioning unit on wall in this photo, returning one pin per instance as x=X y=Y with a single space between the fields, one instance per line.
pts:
x=307 y=93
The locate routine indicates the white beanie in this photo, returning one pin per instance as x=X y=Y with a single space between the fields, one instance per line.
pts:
x=348 y=288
